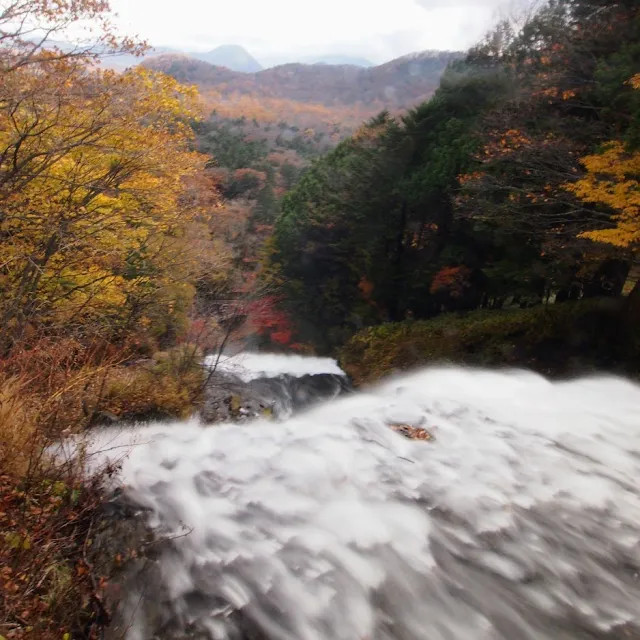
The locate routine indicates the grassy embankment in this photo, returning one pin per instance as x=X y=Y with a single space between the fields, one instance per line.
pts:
x=555 y=340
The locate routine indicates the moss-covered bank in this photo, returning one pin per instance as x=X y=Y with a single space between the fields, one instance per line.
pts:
x=556 y=340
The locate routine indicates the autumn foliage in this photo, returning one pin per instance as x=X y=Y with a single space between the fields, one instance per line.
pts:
x=452 y=281
x=612 y=180
x=105 y=238
x=91 y=175
x=49 y=585
x=270 y=321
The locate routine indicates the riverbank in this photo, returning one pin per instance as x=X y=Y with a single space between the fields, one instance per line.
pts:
x=69 y=550
x=55 y=577
x=568 y=339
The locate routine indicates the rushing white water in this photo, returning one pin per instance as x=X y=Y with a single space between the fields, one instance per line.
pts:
x=520 y=519
x=251 y=365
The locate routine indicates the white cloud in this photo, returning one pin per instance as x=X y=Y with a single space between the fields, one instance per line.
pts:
x=377 y=29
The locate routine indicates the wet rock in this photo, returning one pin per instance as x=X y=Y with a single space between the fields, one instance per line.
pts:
x=120 y=540
x=228 y=398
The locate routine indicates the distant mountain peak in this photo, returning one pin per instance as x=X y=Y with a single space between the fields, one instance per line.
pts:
x=231 y=56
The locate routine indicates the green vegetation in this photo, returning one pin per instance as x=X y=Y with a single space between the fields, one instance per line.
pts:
x=498 y=189
x=228 y=144
x=556 y=340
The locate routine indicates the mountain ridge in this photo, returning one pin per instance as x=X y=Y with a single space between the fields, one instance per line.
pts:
x=337 y=60
x=399 y=83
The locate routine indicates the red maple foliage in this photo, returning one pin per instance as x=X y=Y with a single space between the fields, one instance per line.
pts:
x=270 y=321
x=451 y=280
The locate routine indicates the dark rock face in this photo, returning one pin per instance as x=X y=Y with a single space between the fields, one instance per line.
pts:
x=121 y=551
x=228 y=398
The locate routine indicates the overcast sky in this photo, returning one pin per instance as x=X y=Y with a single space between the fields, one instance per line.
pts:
x=375 y=29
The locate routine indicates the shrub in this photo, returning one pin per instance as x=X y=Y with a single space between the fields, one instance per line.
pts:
x=167 y=387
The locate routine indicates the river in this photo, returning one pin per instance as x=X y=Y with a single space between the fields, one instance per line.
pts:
x=518 y=519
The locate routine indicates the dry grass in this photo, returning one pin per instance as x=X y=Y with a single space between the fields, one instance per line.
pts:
x=49 y=390
x=46 y=392
x=17 y=427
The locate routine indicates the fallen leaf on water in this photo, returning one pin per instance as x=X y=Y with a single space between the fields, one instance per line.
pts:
x=413 y=433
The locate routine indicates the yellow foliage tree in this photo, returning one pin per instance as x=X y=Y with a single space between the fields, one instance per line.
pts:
x=92 y=170
x=612 y=179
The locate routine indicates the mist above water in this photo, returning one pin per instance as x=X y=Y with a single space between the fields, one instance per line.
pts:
x=520 y=518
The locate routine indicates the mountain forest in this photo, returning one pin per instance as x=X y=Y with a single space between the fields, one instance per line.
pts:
x=515 y=186
x=478 y=207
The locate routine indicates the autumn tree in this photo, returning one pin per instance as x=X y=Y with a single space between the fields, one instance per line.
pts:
x=611 y=181
x=92 y=172
x=565 y=68
x=30 y=29
x=91 y=210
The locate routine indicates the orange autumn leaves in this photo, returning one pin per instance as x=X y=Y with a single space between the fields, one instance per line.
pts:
x=453 y=281
x=611 y=179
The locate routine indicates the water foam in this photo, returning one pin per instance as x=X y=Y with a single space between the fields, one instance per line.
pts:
x=252 y=365
x=519 y=519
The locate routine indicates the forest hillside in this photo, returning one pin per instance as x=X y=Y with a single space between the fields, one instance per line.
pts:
x=515 y=186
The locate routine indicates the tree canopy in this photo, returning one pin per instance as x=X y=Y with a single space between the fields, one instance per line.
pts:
x=94 y=171
x=493 y=192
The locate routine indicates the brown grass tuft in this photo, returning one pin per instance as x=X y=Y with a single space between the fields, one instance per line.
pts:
x=17 y=427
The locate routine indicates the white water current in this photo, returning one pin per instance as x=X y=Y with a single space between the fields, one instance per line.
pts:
x=251 y=365
x=519 y=519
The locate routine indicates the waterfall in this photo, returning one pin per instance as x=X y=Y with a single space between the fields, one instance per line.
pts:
x=517 y=518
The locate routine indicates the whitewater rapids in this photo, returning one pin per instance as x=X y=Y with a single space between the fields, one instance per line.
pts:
x=250 y=366
x=518 y=520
